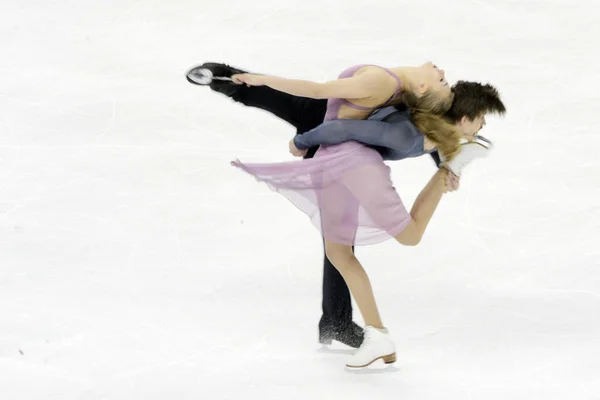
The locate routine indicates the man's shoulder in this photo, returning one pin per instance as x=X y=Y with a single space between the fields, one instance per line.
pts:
x=385 y=113
x=396 y=116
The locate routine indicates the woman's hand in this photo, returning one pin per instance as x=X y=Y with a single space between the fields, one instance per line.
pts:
x=249 y=79
x=452 y=182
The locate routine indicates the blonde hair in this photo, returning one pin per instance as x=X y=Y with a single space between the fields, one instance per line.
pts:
x=427 y=114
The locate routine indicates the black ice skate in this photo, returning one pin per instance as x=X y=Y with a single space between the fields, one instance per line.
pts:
x=343 y=331
x=207 y=73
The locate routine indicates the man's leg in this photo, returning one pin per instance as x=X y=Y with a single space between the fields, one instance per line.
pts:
x=301 y=112
x=304 y=114
x=336 y=322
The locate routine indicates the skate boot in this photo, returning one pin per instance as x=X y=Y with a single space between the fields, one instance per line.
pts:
x=469 y=151
x=343 y=331
x=377 y=345
x=209 y=72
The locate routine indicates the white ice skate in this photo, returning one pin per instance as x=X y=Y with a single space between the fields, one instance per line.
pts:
x=469 y=151
x=377 y=345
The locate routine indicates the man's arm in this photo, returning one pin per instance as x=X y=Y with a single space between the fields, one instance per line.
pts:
x=401 y=137
x=436 y=158
x=390 y=114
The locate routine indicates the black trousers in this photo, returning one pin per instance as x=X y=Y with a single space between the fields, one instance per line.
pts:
x=304 y=114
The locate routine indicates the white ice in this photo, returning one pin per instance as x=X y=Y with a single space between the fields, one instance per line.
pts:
x=136 y=263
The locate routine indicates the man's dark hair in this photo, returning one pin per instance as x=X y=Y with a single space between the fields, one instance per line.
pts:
x=472 y=99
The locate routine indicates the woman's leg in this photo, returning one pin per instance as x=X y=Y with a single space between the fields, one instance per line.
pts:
x=357 y=280
x=378 y=343
x=423 y=208
x=371 y=185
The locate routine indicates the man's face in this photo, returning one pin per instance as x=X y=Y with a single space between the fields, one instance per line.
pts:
x=469 y=128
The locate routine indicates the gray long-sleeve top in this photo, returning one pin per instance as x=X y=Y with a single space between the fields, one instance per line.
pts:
x=387 y=130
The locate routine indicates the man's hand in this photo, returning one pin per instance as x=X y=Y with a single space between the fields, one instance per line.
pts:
x=295 y=151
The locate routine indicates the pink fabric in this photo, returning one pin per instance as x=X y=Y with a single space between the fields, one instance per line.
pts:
x=345 y=190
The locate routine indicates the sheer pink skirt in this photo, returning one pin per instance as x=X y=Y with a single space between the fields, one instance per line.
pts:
x=345 y=190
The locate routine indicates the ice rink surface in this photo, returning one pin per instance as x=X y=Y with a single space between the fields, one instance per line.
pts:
x=136 y=263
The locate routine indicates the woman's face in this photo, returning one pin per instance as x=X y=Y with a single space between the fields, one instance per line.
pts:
x=434 y=79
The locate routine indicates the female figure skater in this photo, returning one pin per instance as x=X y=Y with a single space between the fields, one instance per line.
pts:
x=346 y=188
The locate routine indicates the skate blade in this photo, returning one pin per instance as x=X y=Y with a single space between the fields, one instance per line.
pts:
x=389 y=359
